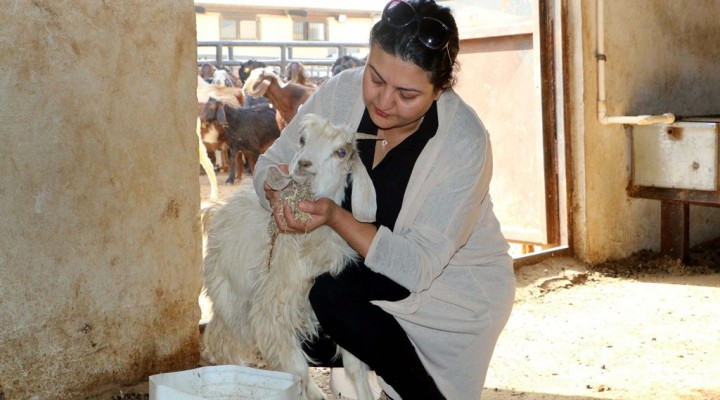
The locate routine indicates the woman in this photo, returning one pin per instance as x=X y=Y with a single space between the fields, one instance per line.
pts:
x=425 y=307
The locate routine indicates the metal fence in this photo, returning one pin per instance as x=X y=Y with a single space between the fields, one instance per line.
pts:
x=232 y=53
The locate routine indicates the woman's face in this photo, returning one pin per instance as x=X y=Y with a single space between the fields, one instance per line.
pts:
x=396 y=93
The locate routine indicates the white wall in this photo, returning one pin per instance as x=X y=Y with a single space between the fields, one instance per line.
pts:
x=278 y=28
x=352 y=30
x=99 y=194
x=208 y=26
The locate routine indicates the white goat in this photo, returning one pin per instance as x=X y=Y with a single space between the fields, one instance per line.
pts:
x=230 y=95
x=223 y=78
x=258 y=280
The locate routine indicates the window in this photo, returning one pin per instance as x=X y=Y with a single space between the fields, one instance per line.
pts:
x=238 y=28
x=309 y=30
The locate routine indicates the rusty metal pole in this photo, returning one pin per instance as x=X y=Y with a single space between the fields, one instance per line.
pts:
x=675 y=230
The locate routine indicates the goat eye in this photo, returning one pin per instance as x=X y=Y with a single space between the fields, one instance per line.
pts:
x=341 y=153
x=302 y=141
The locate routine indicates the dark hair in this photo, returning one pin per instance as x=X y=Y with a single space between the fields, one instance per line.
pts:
x=403 y=43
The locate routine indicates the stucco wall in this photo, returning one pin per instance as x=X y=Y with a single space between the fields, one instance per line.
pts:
x=99 y=240
x=662 y=56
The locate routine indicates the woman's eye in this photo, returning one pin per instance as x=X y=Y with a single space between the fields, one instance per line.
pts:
x=407 y=97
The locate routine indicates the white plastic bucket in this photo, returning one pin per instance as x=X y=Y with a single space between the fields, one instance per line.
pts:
x=225 y=382
x=343 y=388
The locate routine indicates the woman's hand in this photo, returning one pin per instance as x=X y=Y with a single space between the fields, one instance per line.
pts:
x=322 y=212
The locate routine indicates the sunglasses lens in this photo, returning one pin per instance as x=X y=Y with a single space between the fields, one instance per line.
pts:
x=398 y=13
x=433 y=33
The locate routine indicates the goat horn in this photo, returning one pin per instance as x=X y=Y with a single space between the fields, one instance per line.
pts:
x=259 y=89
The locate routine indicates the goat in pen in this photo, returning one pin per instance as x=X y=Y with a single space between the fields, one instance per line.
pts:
x=248 y=132
x=285 y=97
x=258 y=280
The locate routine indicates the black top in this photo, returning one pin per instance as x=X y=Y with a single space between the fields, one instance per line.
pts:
x=390 y=177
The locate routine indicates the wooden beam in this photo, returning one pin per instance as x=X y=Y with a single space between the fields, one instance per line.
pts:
x=698 y=197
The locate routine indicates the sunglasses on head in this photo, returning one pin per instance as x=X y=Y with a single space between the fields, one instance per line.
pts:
x=431 y=32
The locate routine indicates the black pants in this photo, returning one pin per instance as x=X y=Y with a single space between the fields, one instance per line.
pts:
x=346 y=316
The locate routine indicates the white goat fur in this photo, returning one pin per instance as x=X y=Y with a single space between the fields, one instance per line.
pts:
x=227 y=95
x=261 y=304
x=222 y=78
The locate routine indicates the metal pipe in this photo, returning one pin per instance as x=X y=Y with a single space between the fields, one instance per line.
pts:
x=667 y=118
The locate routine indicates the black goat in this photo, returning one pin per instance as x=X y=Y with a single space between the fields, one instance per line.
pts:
x=246 y=130
x=247 y=67
x=346 y=62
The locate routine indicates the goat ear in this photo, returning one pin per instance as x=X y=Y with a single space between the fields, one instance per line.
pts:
x=221 y=114
x=207 y=111
x=276 y=179
x=363 y=200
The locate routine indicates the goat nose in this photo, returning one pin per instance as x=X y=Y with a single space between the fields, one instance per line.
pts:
x=304 y=164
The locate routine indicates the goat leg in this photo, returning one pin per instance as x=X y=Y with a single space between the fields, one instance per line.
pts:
x=358 y=372
x=290 y=358
x=231 y=173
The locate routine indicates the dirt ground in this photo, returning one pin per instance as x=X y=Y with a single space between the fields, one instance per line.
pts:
x=640 y=328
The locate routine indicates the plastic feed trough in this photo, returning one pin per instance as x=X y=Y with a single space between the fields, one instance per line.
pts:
x=225 y=382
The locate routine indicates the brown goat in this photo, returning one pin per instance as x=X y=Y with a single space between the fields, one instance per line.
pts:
x=206 y=72
x=295 y=72
x=285 y=97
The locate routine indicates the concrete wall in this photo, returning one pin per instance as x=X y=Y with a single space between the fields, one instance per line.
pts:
x=662 y=56
x=99 y=239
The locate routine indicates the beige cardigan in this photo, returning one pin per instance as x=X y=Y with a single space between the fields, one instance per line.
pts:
x=447 y=247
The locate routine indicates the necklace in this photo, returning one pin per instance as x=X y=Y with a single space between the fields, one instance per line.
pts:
x=383 y=143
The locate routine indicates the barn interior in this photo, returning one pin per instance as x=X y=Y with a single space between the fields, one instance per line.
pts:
x=101 y=247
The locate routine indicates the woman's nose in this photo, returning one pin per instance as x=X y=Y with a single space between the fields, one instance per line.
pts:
x=385 y=99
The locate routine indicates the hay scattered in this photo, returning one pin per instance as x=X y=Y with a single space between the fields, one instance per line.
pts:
x=293 y=194
x=703 y=259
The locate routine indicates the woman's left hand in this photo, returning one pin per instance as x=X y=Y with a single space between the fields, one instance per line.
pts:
x=321 y=212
